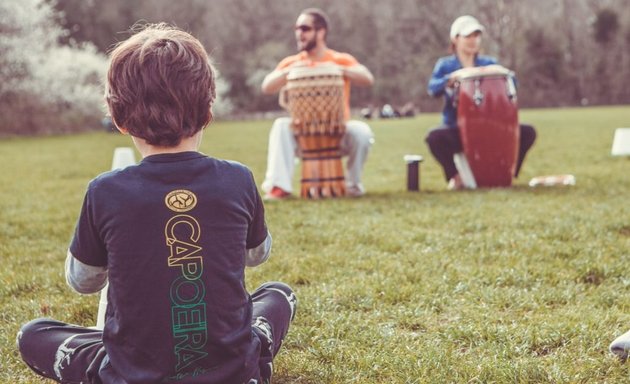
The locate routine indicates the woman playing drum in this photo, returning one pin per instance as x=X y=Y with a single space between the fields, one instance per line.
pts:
x=445 y=141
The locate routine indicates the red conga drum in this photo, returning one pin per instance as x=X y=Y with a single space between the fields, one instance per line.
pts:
x=314 y=98
x=487 y=117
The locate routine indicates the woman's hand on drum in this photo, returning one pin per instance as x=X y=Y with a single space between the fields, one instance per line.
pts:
x=453 y=78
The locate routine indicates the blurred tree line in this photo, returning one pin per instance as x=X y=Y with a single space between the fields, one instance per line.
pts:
x=564 y=52
x=45 y=86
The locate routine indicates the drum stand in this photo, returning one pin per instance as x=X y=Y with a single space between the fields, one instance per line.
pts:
x=463 y=168
x=322 y=168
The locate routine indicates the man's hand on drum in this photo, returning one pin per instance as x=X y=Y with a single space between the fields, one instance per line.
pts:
x=358 y=75
x=275 y=80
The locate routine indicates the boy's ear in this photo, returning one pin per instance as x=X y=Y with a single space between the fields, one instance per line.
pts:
x=123 y=130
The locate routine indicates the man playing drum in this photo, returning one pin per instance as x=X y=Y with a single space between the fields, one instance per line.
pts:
x=311 y=30
x=445 y=141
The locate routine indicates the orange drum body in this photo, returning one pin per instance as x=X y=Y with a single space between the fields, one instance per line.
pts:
x=314 y=97
x=487 y=117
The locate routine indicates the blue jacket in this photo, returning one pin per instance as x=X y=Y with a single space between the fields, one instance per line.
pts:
x=437 y=84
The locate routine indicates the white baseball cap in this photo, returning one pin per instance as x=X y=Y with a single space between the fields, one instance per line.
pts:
x=465 y=25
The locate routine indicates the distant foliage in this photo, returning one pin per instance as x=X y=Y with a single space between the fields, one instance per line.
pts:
x=564 y=52
x=45 y=87
x=606 y=26
x=222 y=105
x=582 y=58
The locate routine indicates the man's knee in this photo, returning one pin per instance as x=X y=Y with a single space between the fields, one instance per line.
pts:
x=279 y=128
x=360 y=133
x=281 y=123
x=281 y=133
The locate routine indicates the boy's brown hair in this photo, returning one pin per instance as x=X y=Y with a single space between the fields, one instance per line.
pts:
x=160 y=85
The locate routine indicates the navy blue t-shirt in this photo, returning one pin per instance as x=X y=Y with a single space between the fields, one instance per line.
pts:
x=173 y=232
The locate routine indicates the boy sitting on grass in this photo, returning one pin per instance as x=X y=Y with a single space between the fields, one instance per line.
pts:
x=172 y=235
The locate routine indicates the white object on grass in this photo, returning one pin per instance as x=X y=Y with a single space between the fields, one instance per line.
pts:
x=621 y=142
x=463 y=168
x=621 y=345
x=552 y=180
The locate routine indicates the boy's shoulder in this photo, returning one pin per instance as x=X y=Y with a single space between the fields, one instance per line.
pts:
x=231 y=166
x=108 y=176
x=134 y=174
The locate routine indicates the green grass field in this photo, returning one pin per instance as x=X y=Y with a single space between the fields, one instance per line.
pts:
x=514 y=285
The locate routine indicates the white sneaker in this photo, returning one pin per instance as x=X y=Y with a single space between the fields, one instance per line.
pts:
x=455 y=183
x=621 y=345
x=356 y=190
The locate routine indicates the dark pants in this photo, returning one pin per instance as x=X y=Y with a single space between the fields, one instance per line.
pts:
x=72 y=354
x=444 y=142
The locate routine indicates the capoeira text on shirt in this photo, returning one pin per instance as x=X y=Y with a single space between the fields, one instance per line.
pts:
x=187 y=292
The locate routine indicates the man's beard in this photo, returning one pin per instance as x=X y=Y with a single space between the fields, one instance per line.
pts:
x=309 y=45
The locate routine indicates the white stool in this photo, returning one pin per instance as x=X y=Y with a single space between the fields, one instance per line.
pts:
x=123 y=156
x=621 y=142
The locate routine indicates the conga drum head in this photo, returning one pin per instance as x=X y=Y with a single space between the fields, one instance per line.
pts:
x=486 y=71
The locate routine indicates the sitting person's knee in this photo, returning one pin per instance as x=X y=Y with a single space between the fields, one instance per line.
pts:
x=281 y=123
x=278 y=286
x=432 y=138
x=29 y=330
x=528 y=135
x=358 y=135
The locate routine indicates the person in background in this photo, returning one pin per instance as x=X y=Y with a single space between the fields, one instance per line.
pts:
x=311 y=31
x=444 y=141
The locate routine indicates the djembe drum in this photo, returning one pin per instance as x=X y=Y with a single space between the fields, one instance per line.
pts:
x=314 y=97
x=487 y=117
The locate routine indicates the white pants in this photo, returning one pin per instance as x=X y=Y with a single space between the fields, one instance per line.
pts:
x=283 y=149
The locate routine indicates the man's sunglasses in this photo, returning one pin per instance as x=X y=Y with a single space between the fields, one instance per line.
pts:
x=304 y=28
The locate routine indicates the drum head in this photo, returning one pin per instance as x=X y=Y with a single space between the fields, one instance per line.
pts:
x=475 y=72
x=315 y=71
